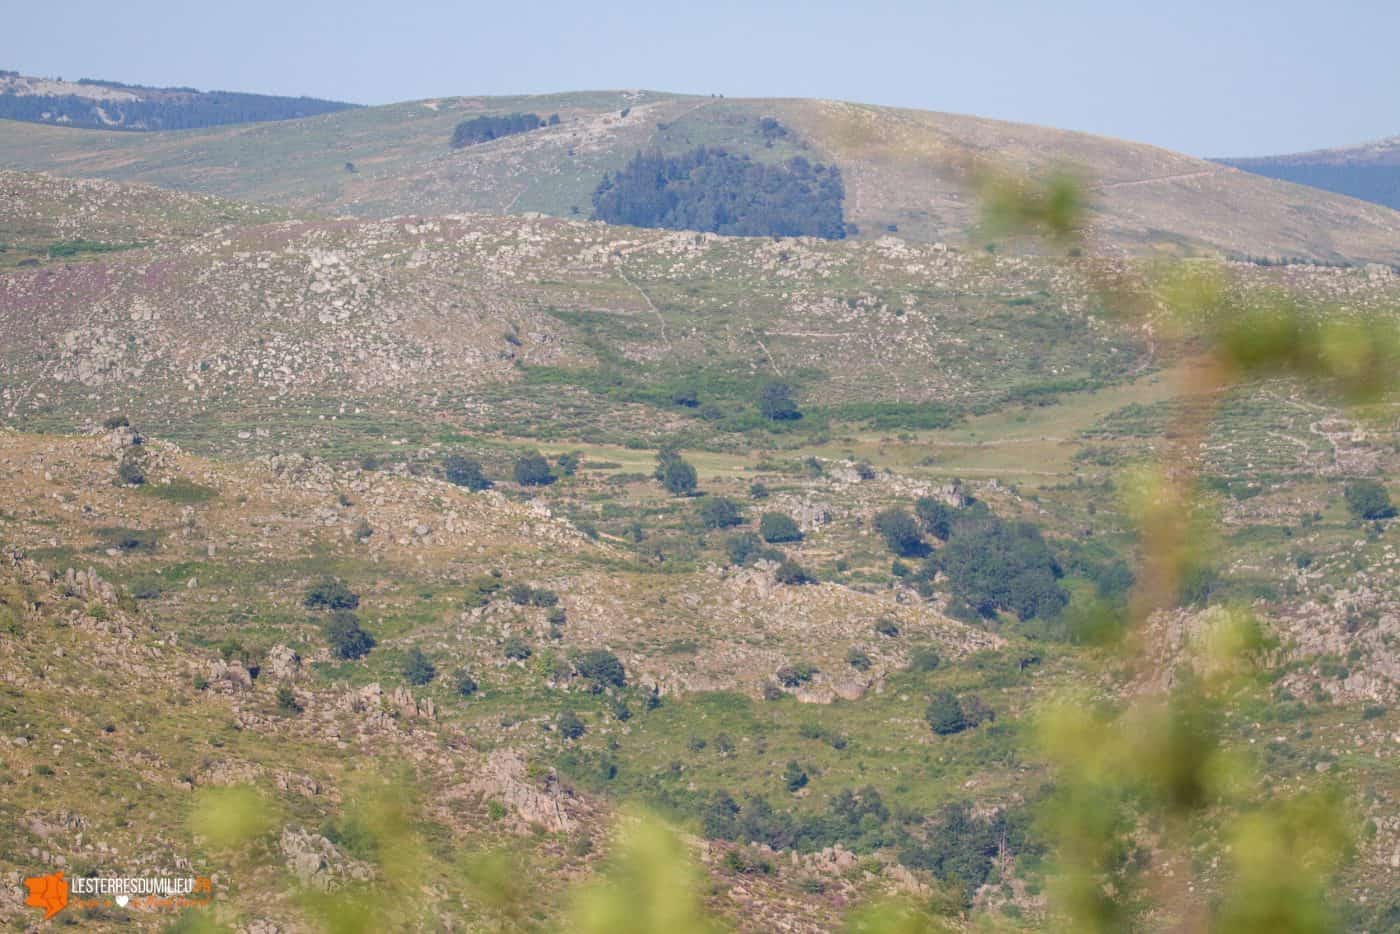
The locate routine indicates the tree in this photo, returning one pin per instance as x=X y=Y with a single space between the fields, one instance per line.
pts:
x=776 y=527
x=417 y=669
x=945 y=714
x=601 y=666
x=347 y=640
x=330 y=593
x=533 y=470
x=900 y=532
x=775 y=403
x=717 y=512
x=997 y=566
x=937 y=517
x=463 y=471
x=1368 y=500
x=675 y=473
x=570 y=725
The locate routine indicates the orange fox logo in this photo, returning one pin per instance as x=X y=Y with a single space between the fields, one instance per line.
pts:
x=47 y=893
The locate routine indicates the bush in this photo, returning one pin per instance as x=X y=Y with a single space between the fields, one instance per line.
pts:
x=937 y=517
x=568 y=463
x=717 y=512
x=463 y=471
x=790 y=572
x=417 y=669
x=347 y=640
x=924 y=659
x=1004 y=566
x=945 y=714
x=775 y=403
x=886 y=627
x=287 y=701
x=515 y=648
x=330 y=594
x=900 y=532
x=858 y=659
x=778 y=527
x=746 y=548
x=533 y=470
x=1368 y=500
x=601 y=666
x=130 y=471
x=463 y=683
x=675 y=473
x=794 y=777
x=571 y=726
x=791 y=676
x=486 y=128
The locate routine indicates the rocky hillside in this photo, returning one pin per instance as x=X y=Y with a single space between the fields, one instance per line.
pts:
x=905 y=171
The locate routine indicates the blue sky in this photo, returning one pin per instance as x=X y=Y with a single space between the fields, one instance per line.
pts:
x=1207 y=78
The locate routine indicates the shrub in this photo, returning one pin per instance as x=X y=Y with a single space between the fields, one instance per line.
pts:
x=746 y=548
x=858 y=659
x=115 y=422
x=886 y=627
x=995 y=566
x=568 y=463
x=570 y=725
x=717 y=512
x=287 y=701
x=775 y=403
x=463 y=683
x=778 y=527
x=791 y=676
x=924 y=659
x=516 y=648
x=794 y=777
x=790 y=572
x=1368 y=500
x=533 y=470
x=601 y=666
x=463 y=471
x=937 y=517
x=900 y=532
x=130 y=472
x=945 y=714
x=417 y=669
x=347 y=640
x=331 y=594
x=483 y=129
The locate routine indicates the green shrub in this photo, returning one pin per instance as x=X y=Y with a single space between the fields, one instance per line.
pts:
x=900 y=532
x=601 y=666
x=717 y=512
x=570 y=725
x=945 y=715
x=791 y=676
x=775 y=403
x=936 y=515
x=776 y=527
x=533 y=470
x=1367 y=499
x=794 y=777
x=417 y=669
x=463 y=683
x=675 y=473
x=287 y=701
x=746 y=548
x=858 y=659
x=790 y=572
x=516 y=648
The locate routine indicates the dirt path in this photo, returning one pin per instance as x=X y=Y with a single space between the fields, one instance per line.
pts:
x=1160 y=178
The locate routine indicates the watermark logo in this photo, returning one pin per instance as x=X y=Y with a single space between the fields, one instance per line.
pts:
x=47 y=893
x=51 y=894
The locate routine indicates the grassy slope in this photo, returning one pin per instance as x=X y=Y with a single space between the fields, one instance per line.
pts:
x=903 y=168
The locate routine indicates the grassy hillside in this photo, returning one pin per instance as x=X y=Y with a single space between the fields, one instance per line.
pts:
x=905 y=171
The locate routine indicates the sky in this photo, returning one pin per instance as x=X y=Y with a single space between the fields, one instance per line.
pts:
x=1216 y=78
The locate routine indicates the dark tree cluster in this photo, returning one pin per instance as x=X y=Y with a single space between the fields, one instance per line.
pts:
x=996 y=566
x=177 y=109
x=719 y=192
x=486 y=128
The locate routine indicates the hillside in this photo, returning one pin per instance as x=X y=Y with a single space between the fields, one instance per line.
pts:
x=1370 y=171
x=904 y=171
x=111 y=105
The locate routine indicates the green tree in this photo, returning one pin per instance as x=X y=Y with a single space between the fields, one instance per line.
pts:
x=464 y=471
x=900 y=532
x=601 y=666
x=533 y=470
x=1368 y=500
x=571 y=726
x=945 y=715
x=718 y=512
x=675 y=473
x=937 y=517
x=330 y=593
x=347 y=640
x=794 y=776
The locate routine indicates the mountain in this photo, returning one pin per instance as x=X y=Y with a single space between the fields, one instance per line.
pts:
x=1370 y=171
x=111 y=105
x=904 y=171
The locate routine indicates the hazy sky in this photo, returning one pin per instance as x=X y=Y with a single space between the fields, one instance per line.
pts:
x=1207 y=78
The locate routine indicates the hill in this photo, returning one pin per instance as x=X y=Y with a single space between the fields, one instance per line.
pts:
x=904 y=171
x=1370 y=171
x=111 y=105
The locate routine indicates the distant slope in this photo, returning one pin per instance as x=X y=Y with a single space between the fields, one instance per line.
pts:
x=904 y=171
x=1370 y=171
x=111 y=105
